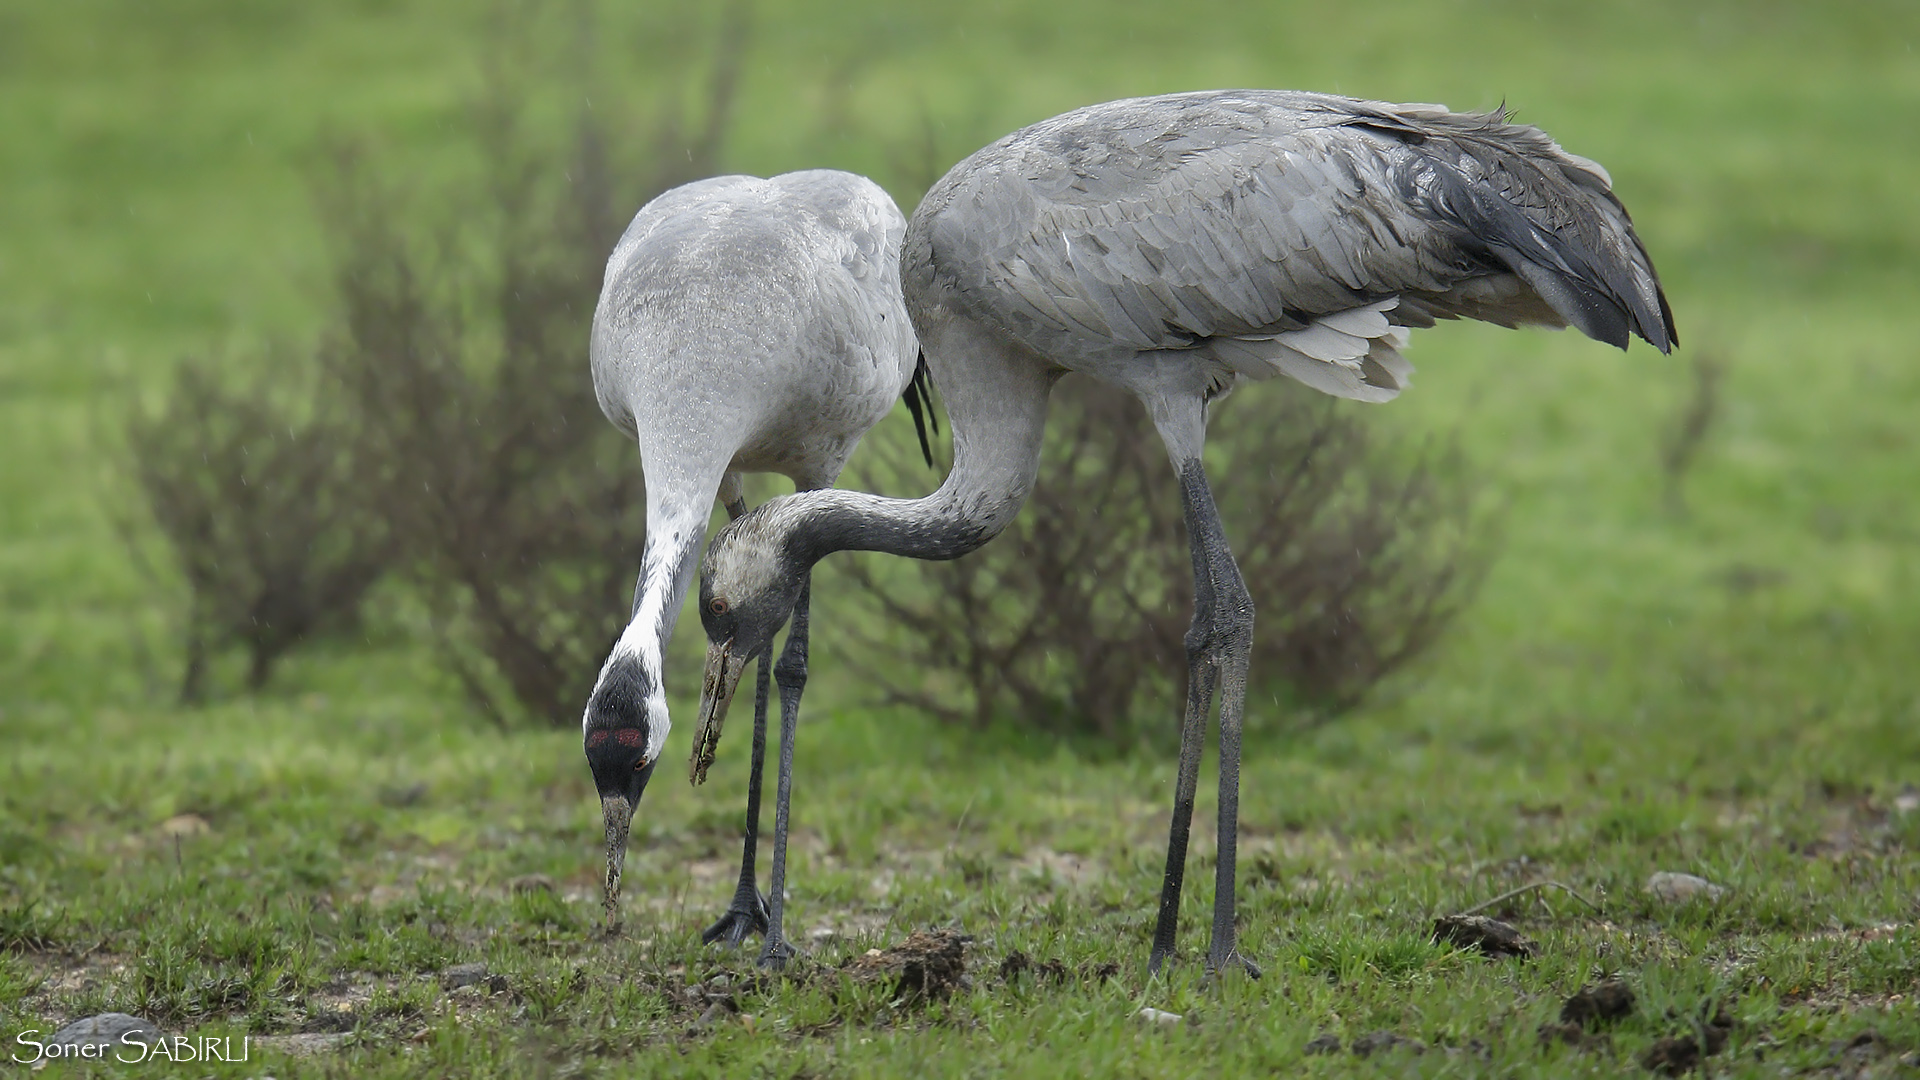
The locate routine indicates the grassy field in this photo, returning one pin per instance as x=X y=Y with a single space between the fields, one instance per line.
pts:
x=1726 y=690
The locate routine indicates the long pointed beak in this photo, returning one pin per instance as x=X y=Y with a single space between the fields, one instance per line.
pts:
x=716 y=693
x=618 y=814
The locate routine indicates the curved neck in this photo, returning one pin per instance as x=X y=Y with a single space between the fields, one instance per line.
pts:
x=996 y=399
x=666 y=570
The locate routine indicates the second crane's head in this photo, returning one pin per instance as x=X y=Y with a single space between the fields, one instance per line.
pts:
x=749 y=582
x=625 y=729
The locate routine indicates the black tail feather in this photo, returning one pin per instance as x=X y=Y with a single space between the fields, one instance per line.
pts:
x=919 y=399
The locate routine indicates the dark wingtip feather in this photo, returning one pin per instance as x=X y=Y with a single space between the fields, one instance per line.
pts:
x=919 y=399
x=1666 y=320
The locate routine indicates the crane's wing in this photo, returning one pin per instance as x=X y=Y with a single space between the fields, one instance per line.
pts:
x=1286 y=233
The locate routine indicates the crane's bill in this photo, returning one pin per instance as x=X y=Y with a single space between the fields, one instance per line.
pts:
x=618 y=814
x=716 y=693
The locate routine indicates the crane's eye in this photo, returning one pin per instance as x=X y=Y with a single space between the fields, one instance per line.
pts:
x=641 y=764
x=717 y=606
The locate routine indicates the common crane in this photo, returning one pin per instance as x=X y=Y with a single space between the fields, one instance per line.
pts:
x=744 y=325
x=1178 y=246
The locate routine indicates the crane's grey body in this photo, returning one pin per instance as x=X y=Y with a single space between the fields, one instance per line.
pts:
x=1179 y=246
x=744 y=325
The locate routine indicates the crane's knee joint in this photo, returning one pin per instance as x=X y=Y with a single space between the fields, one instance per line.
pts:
x=790 y=673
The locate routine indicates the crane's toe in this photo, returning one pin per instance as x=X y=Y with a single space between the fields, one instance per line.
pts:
x=746 y=916
x=775 y=954
x=1234 y=961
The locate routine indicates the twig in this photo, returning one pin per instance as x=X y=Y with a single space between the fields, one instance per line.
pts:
x=1533 y=887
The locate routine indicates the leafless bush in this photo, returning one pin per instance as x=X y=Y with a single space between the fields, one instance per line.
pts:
x=255 y=493
x=465 y=351
x=1073 y=620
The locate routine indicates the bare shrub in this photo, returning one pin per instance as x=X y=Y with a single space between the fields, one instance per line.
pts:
x=1073 y=620
x=256 y=494
x=463 y=345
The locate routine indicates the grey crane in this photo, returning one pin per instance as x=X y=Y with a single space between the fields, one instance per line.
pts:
x=1177 y=246
x=744 y=325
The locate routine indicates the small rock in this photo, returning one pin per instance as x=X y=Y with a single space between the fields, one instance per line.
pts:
x=1158 y=1016
x=1368 y=1045
x=460 y=975
x=716 y=1013
x=1324 y=1043
x=1906 y=802
x=106 y=1029
x=184 y=825
x=423 y=1035
x=1489 y=936
x=531 y=883
x=1604 y=1001
x=822 y=935
x=1674 y=888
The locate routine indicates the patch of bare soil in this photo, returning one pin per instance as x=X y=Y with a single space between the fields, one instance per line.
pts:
x=929 y=965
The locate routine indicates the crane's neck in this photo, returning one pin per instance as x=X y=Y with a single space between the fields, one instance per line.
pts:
x=996 y=399
x=637 y=663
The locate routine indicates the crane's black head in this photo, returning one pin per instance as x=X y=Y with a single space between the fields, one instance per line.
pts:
x=622 y=752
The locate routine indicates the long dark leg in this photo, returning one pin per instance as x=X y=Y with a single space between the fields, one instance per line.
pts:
x=791 y=674
x=747 y=914
x=1193 y=735
x=1218 y=646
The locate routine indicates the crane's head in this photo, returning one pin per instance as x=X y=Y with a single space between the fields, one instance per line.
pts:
x=749 y=582
x=626 y=727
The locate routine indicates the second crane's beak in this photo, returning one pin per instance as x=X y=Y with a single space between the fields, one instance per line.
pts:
x=617 y=811
x=716 y=693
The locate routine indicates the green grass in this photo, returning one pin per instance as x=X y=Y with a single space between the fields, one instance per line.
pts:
x=1728 y=691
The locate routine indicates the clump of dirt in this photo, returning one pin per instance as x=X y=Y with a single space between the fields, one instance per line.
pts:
x=1382 y=1041
x=1592 y=1006
x=1488 y=936
x=928 y=965
x=1017 y=965
x=1598 y=1003
x=1683 y=1053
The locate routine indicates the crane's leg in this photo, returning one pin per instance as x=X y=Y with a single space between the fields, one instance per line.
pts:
x=747 y=914
x=1193 y=735
x=1219 y=643
x=791 y=674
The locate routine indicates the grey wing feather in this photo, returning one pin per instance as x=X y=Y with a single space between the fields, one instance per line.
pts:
x=1301 y=227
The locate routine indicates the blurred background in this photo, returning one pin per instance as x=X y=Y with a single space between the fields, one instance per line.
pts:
x=305 y=501
x=290 y=201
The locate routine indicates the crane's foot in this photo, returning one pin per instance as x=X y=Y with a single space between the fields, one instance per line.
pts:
x=1156 y=961
x=1233 y=962
x=745 y=917
x=776 y=953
